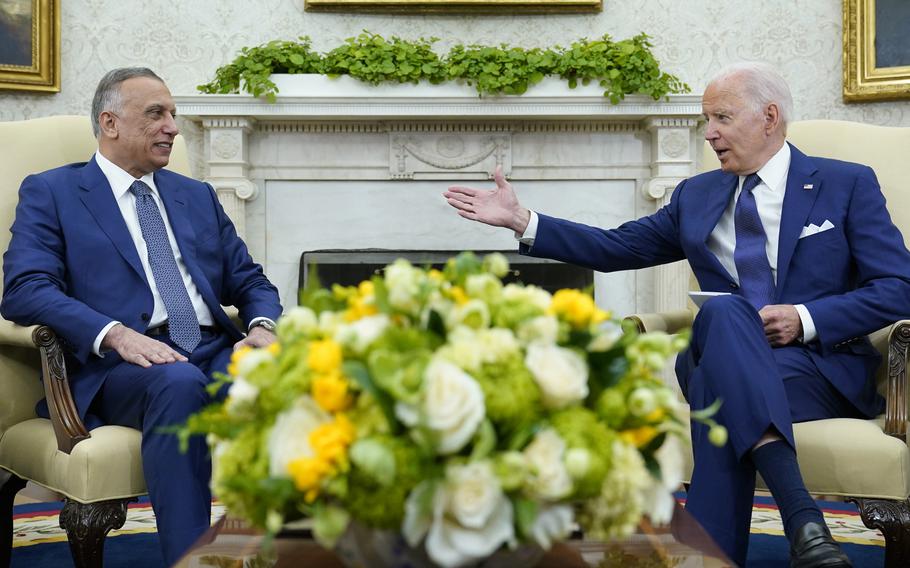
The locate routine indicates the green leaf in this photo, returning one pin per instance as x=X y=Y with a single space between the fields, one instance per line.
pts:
x=358 y=371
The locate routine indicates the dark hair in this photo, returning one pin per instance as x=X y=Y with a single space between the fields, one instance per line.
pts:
x=107 y=95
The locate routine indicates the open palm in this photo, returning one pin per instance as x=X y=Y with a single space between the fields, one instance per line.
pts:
x=498 y=207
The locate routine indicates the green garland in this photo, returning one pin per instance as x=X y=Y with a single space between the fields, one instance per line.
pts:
x=621 y=67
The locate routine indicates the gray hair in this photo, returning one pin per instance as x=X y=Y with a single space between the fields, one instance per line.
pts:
x=762 y=85
x=107 y=95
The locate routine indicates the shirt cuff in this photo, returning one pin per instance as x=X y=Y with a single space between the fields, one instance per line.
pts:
x=809 y=332
x=255 y=321
x=96 y=346
x=527 y=238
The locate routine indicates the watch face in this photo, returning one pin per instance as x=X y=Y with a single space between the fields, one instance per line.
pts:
x=266 y=324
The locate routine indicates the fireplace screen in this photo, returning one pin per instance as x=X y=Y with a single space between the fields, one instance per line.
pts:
x=349 y=267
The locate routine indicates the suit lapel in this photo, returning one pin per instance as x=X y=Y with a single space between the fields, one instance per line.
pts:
x=715 y=204
x=798 y=202
x=98 y=198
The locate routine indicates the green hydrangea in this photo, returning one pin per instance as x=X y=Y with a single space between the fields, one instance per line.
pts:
x=380 y=506
x=581 y=428
x=511 y=395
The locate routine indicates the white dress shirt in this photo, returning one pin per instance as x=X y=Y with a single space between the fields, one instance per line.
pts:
x=769 y=198
x=120 y=182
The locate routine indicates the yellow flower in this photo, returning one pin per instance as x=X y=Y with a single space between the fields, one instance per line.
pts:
x=436 y=275
x=330 y=441
x=656 y=415
x=458 y=295
x=366 y=288
x=330 y=391
x=274 y=348
x=307 y=474
x=639 y=437
x=236 y=356
x=324 y=356
x=577 y=308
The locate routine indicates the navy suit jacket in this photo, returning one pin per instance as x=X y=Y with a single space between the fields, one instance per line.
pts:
x=72 y=265
x=853 y=278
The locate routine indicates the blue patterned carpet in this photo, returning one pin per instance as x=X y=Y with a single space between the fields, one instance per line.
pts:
x=40 y=543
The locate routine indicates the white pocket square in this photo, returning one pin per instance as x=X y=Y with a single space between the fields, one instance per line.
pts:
x=813 y=229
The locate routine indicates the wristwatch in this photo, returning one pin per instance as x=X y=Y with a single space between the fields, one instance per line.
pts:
x=267 y=324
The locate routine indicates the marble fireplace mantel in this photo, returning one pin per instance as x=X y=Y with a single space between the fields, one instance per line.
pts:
x=387 y=153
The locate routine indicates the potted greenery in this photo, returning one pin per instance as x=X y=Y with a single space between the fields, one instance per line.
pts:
x=617 y=68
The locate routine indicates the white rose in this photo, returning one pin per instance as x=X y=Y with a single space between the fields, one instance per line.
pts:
x=242 y=392
x=549 y=477
x=463 y=349
x=527 y=295
x=658 y=496
x=553 y=524
x=472 y=517
x=608 y=333
x=252 y=360
x=473 y=313
x=289 y=438
x=362 y=333
x=561 y=374
x=498 y=343
x=330 y=321
x=543 y=329
x=484 y=286
x=298 y=320
x=403 y=283
x=452 y=405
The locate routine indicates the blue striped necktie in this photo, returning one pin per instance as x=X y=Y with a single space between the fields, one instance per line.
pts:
x=183 y=326
x=756 y=283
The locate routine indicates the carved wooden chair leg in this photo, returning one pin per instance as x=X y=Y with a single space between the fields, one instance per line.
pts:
x=7 y=494
x=87 y=525
x=892 y=518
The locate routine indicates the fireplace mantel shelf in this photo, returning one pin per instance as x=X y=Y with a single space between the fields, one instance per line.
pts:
x=318 y=97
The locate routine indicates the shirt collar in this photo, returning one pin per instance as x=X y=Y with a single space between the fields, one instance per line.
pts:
x=119 y=180
x=775 y=170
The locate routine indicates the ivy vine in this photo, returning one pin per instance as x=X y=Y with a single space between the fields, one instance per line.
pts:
x=620 y=67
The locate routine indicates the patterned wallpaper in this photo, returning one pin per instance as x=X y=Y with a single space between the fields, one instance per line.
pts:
x=185 y=41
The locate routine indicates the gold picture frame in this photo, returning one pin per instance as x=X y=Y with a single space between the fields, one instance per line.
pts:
x=456 y=6
x=865 y=77
x=30 y=45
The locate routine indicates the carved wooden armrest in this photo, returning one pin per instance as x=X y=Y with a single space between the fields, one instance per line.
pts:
x=669 y=322
x=68 y=427
x=896 y=386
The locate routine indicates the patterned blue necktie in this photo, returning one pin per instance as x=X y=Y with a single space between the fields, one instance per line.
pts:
x=756 y=283
x=183 y=326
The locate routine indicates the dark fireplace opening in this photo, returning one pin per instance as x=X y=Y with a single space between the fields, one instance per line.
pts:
x=350 y=267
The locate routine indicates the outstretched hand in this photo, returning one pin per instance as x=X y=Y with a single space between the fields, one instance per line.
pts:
x=498 y=207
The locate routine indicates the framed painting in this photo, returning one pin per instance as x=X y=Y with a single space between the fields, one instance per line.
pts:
x=456 y=6
x=876 y=50
x=30 y=45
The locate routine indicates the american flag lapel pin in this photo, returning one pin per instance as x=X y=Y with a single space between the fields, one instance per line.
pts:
x=808 y=186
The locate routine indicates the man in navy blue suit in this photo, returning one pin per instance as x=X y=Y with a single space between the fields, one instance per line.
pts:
x=130 y=264
x=814 y=263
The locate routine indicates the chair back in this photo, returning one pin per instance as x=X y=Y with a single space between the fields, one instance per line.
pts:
x=885 y=149
x=27 y=147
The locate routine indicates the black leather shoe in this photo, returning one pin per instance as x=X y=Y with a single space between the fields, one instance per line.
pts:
x=813 y=547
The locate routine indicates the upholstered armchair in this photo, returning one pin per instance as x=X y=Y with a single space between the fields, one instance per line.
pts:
x=96 y=473
x=864 y=461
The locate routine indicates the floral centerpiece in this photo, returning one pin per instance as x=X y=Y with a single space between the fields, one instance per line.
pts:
x=465 y=414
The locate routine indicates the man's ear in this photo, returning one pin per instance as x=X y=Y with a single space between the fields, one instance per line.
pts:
x=772 y=118
x=107 y=121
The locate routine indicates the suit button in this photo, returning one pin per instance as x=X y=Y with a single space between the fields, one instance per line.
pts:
x=145 y=316
x=734 y=286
